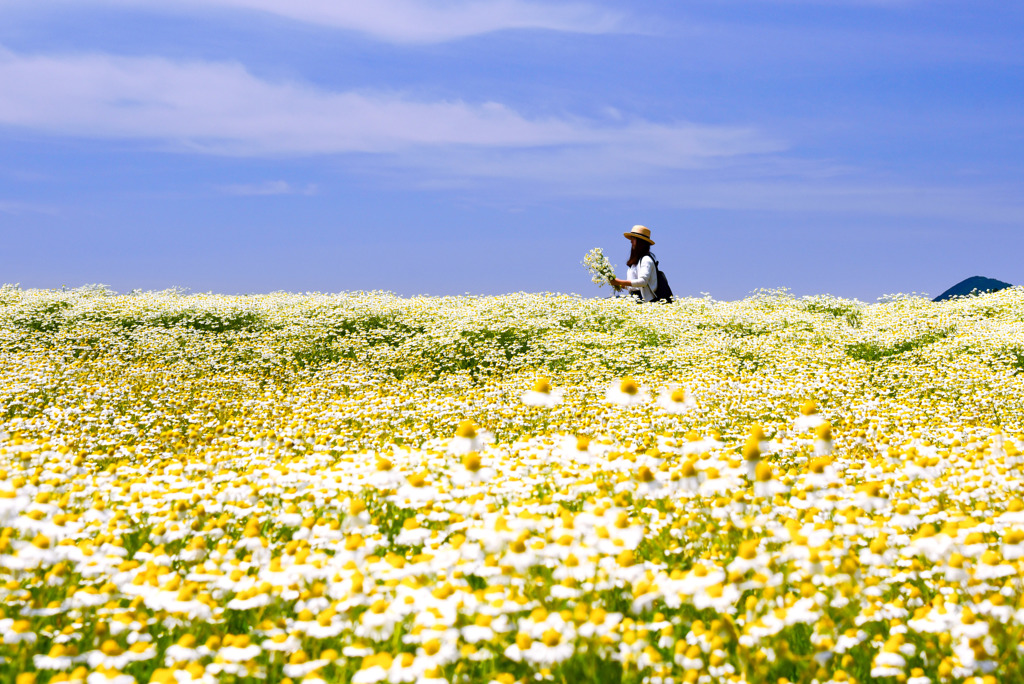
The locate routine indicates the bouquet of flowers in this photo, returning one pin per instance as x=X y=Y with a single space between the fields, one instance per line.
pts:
x=601 y=270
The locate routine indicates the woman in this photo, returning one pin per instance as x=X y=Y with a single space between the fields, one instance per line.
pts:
x=642 y=275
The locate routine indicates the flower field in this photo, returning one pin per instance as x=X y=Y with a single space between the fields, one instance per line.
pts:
x=523 y=488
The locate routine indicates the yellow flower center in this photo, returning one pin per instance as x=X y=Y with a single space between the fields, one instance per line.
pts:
x=870 y=488
x=472 y=461
x=466 y=429
x=543 y=385
x=383 y=660
x=818 y=465
x=628 y=386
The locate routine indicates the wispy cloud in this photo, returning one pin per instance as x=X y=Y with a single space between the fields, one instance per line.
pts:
x=855 y=3
x=779 y=183
x=15 y=208
x=23 y=175
x=856 y=195
x=221 y=108
x=267 y=188
x=414 y=21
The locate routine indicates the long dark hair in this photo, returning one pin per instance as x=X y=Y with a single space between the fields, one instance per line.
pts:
x=640 y=249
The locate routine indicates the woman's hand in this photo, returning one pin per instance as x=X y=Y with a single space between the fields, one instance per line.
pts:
x=621 y=284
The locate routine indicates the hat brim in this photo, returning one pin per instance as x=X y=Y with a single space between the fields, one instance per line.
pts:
x=639 y=237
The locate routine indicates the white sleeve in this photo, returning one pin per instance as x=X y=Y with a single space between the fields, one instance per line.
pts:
x=644 y=271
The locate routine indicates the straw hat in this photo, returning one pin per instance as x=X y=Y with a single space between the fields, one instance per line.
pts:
x=641 y=233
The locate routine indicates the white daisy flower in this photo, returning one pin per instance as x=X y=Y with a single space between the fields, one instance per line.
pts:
x=543 y=395
x=809 y=417
x=626 y=392
x=468 y=438
x=676 y=400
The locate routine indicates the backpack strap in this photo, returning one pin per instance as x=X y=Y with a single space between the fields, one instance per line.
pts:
x=657 y=275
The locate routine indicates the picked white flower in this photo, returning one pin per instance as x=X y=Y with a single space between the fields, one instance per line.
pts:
x=601 y=270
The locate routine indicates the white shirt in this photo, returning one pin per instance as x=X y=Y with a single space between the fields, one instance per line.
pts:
x=644 y=277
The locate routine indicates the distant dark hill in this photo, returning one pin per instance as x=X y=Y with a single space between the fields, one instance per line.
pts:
x=973 y=285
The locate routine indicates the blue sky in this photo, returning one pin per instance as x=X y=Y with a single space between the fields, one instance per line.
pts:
x=851 y=147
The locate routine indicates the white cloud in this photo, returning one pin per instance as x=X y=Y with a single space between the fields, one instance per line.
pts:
x=267 y=188
x=220 y=108
x=414 y=21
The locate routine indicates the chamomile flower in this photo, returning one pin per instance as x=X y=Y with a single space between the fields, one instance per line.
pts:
x=676 y=400
x=105 y=675
x=304 y=670
x=374 y=668
x=809 y=417
x=823 y=439
x=17 y=632
x=542 y=395
x=58 y=658
x=406 y=667
x=626 y=392
x=298 y=467
x=766 y=484
x=888 y=664
x=474 y=471
x=696 y=443
x=468 y=437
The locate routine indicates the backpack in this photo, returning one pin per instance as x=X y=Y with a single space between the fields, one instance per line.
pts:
x=662 y=293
